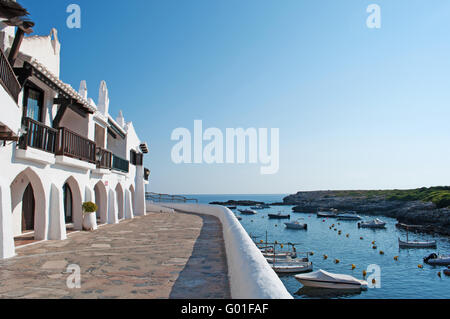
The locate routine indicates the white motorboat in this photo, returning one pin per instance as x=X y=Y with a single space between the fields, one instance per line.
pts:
x=248 y=212
x=417 y=244
x=293 y=266
x=296 y=225
x=376 y=223
x=326 y=214
x=323 y=279
x=280 y=255
x=434 y=259
x=348 y=216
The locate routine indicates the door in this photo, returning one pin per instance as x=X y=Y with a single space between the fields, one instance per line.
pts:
x=28 y=209
x=68 y=206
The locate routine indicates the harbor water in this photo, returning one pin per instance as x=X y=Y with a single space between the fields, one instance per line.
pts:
x=401 y=278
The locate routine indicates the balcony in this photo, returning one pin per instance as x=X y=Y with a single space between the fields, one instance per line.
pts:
x=38 y=144
x=8 y=79
x=120 y=164
x=73 y=145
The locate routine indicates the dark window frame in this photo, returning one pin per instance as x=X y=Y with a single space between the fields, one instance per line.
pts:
x=29 y=85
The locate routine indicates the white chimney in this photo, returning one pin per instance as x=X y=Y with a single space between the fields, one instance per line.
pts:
x=83 y=90
x=103 y=99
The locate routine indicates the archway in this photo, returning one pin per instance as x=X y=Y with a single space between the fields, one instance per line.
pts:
x=132 y=197
x=28 y=205
x=120 y=201
x=101 y=199
x=73 y=201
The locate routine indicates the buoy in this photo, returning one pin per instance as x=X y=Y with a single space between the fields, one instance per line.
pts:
x=276 y=225
x=374 y=247
x=325 y=257
x=353 y=266
x=361 y=238
x=276 y=242
x=311 y=253
x=374 y=281
x=420 y=266
x=396 y=258
x=381 y=252
x=337 y=261
x=281 y=246
x=348 y=235
x=373 y=243
x=439 y=274
x=323 y=221
x=261 y=241
x=364 y=273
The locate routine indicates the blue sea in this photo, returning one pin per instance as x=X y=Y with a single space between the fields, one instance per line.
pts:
x=398 y=279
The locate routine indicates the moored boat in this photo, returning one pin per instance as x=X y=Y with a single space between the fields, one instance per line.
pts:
x=326 y=214
x=348 y=216
x=280 y=255
x=417 y=244
x=296 y=225
x=248 y=212
x=232 y=207
x=434 y=259
x=447 y=271
x=323 y=279
x=279 y=216
x=376 y=223
x=293 y=266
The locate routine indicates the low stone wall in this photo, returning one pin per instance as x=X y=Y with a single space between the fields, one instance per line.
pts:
x=250 y=275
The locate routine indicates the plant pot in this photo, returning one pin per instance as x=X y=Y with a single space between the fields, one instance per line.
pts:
x=90 y=221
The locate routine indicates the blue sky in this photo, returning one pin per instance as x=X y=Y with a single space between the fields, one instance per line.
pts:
x=357 y=108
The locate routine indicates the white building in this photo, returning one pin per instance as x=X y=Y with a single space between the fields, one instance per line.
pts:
x=59 y=149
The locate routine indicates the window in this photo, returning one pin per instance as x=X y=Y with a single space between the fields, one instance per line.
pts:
x=33 y=103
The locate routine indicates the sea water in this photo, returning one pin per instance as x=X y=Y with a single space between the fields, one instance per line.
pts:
x=398 y=279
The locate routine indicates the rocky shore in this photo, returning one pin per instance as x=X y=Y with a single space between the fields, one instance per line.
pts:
x=409 y=212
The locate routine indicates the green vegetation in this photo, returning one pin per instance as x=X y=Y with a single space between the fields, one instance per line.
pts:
x=440 y=195
x=89 y=207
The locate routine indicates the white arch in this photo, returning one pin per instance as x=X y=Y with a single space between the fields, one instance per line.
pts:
x=7 y=249
x=18 y=186
x=120 y=201
x=77 y=202
x=101 y=199
x=112 y=208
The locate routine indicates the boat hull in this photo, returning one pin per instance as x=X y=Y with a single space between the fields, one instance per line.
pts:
x=285 y=268
x=279 y=216
x=439 y=262
x=332 y=285
x=403 y=244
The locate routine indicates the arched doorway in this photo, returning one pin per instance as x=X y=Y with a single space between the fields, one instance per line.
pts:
x=101 y=202
x=72 y=202
x=120 y=201
x=68 y=204
x=28 y=204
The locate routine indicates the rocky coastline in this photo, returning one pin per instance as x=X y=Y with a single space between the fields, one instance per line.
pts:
x=414 y=212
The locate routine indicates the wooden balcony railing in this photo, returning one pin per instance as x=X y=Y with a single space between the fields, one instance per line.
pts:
x=104 y=158
x=76 y=146
x=120 y=164
x=8 y=79
x=38 y=136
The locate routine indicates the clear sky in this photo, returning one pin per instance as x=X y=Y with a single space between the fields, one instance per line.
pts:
x=357 y=108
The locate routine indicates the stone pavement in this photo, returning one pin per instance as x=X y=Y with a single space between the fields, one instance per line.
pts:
x=157 y=256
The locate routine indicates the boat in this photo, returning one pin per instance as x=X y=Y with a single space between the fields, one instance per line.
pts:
x=279 y=216
x=248 y=212
x=348 y=216
x=293 y=266
x=434 y=259
x=296 y=225
x=417 y=244
x=231 y=207
x=326 y=214
x=280 y=255
x=376 y=223
x=323 y=279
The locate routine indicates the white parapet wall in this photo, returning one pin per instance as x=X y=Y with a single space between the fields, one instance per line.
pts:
x=250 y=275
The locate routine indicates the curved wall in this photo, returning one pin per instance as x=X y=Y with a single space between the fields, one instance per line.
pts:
x=251 y=276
